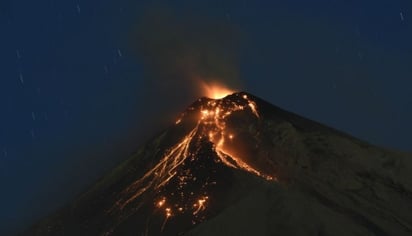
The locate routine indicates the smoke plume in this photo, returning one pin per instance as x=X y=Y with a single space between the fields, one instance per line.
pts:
x=179 y=50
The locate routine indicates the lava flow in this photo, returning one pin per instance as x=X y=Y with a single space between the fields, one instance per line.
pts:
x=173 y=166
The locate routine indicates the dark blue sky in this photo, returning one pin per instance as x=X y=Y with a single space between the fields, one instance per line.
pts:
x=74 y=93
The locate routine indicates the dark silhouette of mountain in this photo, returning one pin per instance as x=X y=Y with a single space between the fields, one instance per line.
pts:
x=241 y=166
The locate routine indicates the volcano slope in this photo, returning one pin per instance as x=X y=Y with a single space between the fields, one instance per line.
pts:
x=241 y=166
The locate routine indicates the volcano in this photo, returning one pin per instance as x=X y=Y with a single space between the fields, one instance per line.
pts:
x=241 y=166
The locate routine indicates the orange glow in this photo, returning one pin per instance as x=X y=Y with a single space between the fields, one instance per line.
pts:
x=200 y=205
x=161 y=202
x=215 y=90
x=168 y=215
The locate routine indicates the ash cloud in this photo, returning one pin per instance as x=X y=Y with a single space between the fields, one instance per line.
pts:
x=179 y=49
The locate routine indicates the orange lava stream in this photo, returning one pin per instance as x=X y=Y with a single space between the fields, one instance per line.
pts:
x=211 y=124
x=214 y=116
x=162 y=172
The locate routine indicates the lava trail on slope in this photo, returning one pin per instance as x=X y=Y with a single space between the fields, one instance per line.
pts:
x=186 y=180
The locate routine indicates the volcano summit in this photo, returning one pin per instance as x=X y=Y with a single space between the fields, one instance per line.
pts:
x=241 y=166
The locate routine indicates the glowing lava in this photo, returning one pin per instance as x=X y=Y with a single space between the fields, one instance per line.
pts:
x=211 y=125
x=213 y=120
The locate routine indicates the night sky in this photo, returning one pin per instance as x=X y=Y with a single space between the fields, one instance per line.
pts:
x=84 y=83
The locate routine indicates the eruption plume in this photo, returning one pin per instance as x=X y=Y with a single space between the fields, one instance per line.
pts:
x=181 y=52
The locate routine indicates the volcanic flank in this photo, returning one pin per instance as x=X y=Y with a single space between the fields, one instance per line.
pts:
x=240 y=166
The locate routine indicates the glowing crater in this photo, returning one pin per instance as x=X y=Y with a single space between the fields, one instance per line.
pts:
x=215 y=90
